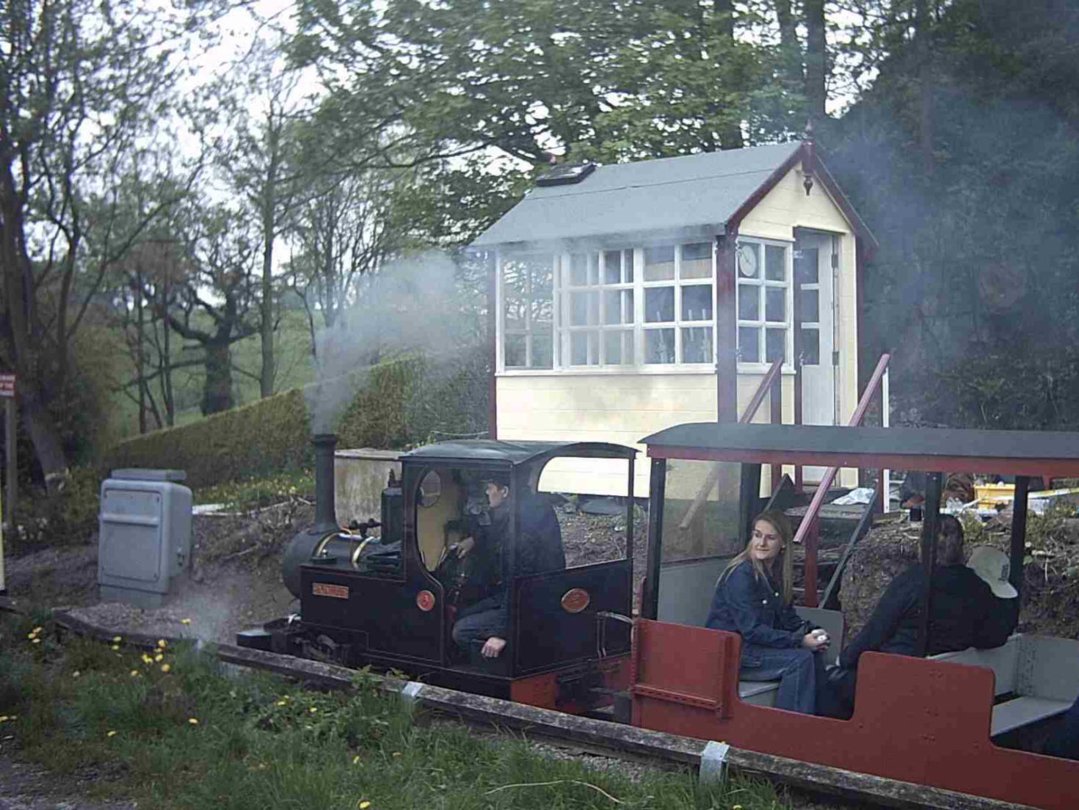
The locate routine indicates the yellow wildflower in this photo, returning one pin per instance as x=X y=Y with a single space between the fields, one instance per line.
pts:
x=146 y=659
x=3 y=718
x=35 y=641
x=356 y=760
x=158 y=657
x=185 y=621
x=313 y=709
x=111 y=734
x=281 y=703
x=396 y=753
x=75 y=674
x=162 y=643
x=117 y=639
x=193 y=721
x=134 y=673
x=165 y=667
x=363 y=804
x=37 y=630
x=116 y=646
x=32 y=636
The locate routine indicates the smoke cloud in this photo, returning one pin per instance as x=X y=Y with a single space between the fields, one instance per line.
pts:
x=412 y=305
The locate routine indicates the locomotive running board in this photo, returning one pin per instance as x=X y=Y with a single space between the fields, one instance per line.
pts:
x=614 y=738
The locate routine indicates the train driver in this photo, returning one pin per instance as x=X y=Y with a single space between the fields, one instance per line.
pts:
x=539 y=548
x=970 y=607
x=753 y=598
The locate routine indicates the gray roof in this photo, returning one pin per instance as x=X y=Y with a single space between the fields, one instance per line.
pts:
x=680 y=194
x=1006 y=452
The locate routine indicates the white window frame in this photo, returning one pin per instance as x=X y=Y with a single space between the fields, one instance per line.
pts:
x=563 y=331
x=500 y=319
x=763 y=283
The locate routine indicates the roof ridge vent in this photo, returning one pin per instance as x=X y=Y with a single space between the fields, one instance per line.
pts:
x=566 y=174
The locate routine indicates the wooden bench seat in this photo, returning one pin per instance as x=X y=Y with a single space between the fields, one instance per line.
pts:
x=1041 y=674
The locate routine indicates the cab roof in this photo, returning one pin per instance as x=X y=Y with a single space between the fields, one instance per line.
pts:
x=1005 y=452
x=513 y=452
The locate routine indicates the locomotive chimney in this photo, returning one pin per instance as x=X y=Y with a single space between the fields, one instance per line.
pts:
x=325 y=508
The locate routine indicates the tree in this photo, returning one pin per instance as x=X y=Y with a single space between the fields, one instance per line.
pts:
x=513 y=82
x=216 y=306
x=258 y=158
x=80 y=84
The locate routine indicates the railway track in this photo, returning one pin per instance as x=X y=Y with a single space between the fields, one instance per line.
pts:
x=713 y=760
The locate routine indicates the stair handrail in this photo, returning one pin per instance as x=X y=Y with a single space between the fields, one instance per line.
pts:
x=747 y=416
x=826 y=482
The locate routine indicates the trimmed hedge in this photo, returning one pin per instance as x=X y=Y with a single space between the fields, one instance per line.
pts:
x=403 y=404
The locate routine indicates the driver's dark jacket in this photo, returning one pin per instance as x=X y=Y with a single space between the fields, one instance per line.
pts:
x=752 y=606
x=538 y=549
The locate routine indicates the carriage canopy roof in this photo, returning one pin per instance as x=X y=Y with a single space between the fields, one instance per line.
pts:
x=1004 y=452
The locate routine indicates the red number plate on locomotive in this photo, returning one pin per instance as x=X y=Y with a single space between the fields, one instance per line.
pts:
x=328 y=589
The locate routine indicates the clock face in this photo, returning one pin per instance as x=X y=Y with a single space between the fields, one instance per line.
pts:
x=748 y=260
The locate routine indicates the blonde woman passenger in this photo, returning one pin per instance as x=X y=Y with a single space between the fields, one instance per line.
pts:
x=753 y=598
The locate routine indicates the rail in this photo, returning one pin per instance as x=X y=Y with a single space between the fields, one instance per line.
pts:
x=754 y=405
x=807 y=529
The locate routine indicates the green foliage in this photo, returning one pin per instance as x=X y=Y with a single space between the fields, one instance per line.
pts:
x=256 y=492
x=265 y=437
x=963 y=158
x=403 y=403
x=177 y=730
x=69 y=516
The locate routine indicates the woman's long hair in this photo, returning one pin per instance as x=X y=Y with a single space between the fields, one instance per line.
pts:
x=785 y=560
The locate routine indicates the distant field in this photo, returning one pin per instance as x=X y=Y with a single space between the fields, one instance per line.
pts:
x=293 y=359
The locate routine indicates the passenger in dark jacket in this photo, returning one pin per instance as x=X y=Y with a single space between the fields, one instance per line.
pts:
x=753 y=598
x=963 y=613
x=538 y=549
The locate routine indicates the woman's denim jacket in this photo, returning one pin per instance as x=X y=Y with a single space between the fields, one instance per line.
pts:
x=750 y=606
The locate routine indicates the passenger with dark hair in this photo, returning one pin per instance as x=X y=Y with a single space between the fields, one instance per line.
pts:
x=963 y=613
x=753 y=598
x=538 y=549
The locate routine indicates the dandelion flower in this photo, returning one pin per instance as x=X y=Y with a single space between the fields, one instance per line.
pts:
x=158 y=657
x=363 y=804
x=185 y=621
x=32 y=636
x=313 y=709
x=165 y=667
x=115 y=646
x=162 y=643
x=117 y=639
x=193 y=721
x=397 y=753
x=134 y=673
x=111 y=734
x=281 y=703
x=356 y=760
x=146 y=659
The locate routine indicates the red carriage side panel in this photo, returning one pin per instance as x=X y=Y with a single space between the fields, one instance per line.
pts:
x=915 y=720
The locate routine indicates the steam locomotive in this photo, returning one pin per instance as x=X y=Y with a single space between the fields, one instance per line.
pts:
x=390 y=601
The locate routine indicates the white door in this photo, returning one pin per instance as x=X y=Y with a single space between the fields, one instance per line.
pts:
x=814 y=277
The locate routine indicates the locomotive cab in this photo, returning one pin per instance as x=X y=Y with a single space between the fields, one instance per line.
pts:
x=392 y=601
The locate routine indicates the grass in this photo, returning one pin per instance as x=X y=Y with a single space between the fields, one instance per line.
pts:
x=175 y=729
x=257 y=492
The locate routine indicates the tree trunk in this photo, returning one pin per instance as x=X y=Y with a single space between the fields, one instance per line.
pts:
x=816 y=75
x=923 y=53
x=266 y=374
x=217 y=392
x=790 y=47
x=44 y=434
x=730 y=137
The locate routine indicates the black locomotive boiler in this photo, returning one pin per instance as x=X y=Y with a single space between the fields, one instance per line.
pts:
x=390 y=600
